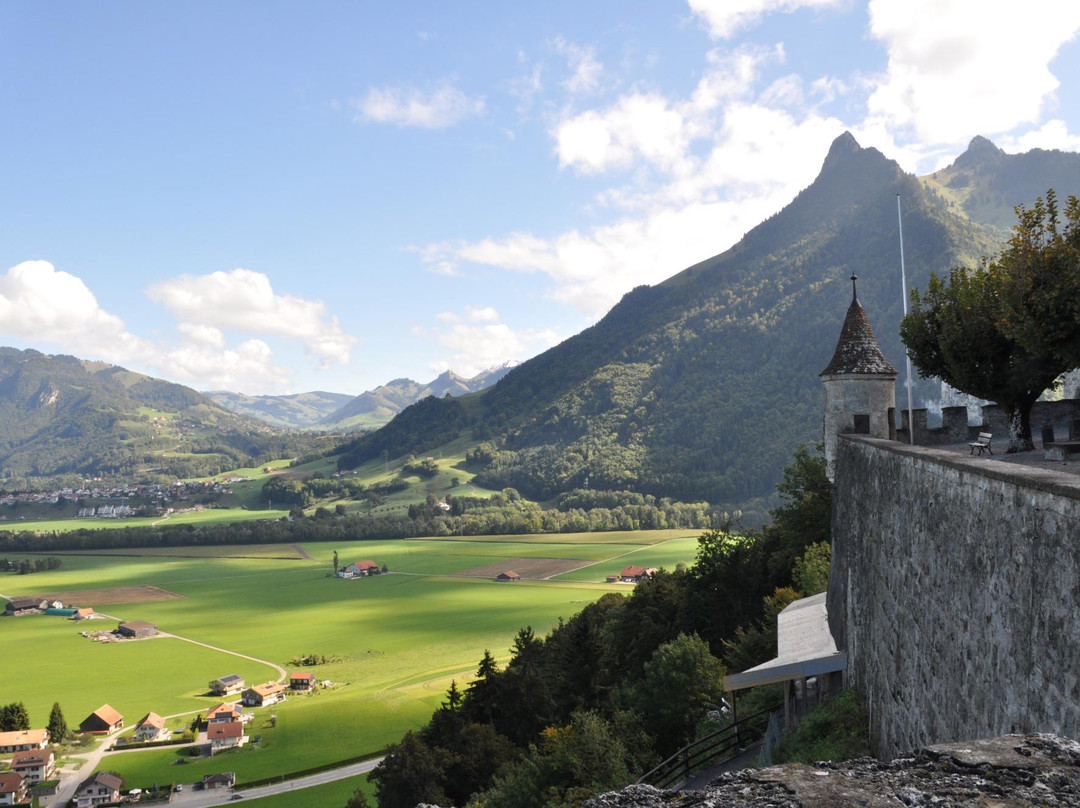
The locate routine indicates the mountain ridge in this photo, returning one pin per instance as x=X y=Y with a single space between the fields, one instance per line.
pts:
x=665 y=394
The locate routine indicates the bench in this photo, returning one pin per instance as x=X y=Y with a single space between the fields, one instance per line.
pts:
x=982 y=443
x=1060 y=450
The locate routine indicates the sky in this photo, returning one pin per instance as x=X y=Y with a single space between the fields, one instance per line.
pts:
x=275 y=197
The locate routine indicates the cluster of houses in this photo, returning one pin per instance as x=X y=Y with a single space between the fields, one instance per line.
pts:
x=359 y=569
x=33 y=762
x=154 y=497
x=18 y=607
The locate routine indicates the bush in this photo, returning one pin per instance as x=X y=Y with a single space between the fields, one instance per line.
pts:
x=836 y=730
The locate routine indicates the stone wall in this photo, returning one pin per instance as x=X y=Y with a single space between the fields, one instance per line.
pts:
x=955 y=589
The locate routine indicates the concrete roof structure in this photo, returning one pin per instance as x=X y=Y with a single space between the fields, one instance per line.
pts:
x=805 y=648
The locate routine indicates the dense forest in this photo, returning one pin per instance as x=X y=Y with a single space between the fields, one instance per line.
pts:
x=625 y=682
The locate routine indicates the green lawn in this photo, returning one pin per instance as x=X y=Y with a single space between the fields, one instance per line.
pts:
x=204 y=516
x=395 y=641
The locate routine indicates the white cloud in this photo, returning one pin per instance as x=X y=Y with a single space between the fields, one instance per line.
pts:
x=248 y=367
x=244 y=301
x=481 y=342
x=41 y=303
x=649 y=127
x=1051 y=135
x=585 y=69
x=481 y=314
x=723 y=18
x=439 y=108
x=956 y=70
x=637 y=126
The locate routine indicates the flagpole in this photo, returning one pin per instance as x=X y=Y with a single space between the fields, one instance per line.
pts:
x=904 y=295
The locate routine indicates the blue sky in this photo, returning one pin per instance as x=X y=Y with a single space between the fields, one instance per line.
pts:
x=278 y=197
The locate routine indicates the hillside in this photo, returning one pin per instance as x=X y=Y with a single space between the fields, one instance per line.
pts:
x=702 y=386
x=296 y=411
x=62 y=415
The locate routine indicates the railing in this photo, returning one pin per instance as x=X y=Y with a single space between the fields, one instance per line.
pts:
x=719 y=745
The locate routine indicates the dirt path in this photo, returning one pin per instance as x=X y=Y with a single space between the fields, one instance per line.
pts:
x=282 y=673
x=300 y=551
x=611 y=558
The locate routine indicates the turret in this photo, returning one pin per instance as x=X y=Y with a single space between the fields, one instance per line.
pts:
x=860 y=385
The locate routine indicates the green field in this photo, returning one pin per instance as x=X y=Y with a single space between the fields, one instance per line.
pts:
x=394 y=641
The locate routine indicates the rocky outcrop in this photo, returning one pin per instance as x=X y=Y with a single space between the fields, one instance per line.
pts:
x=1013 y=771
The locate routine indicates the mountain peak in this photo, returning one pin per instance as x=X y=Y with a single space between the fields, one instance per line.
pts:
x=980 y=151
x=844 y=146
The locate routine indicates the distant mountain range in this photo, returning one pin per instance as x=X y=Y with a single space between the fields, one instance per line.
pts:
x=702 y=387
x=335 y=411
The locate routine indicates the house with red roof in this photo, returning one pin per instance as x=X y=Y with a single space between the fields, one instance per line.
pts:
x=359 y=569
x=632 y=575
x=227 y=713
x=12 y=788
x=103 y=719
x=508 y=575
x=22 y=739
x=225 y=736
x=263 y=695
x=151 y=727
x=35 y=765
x=302 y=681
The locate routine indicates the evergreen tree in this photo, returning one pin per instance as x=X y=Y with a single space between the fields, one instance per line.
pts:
x=58 y=728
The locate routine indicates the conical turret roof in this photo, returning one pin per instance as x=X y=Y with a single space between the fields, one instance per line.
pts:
x=857 y=349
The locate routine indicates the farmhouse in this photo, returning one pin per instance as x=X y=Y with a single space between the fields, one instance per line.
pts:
x=632 y=575
x=223 y=780
x=225 y=736
x=35 y=765
x=103 y=719
x=509 y=575
x=226 y=713
x=83 y=614
x=302 y=680
x=359 y=569
x=151 y=727
x=137 y=629
x=264 y=695
x=227 y=685
x=20 y=606
x=12 y=789
x=22 y=740
x=98 y=790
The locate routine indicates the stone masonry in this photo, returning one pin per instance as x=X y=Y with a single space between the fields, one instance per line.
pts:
x=955 y=589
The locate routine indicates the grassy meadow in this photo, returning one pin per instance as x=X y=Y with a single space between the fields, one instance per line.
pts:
x=392 y=642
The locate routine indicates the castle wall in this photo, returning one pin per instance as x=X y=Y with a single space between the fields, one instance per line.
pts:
x=1058 y=415
x=955 y=589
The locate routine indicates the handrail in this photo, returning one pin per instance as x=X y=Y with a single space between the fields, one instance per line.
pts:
x=704 y=750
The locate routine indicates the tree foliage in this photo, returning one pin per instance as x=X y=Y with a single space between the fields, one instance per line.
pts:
x=57 y=726
x=1007 y=329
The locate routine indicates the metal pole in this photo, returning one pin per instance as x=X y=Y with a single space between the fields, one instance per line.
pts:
x=903 y=297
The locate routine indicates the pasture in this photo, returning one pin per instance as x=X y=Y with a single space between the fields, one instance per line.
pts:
x=393 y=642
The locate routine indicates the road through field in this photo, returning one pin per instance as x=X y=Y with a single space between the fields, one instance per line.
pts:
x=204 y=799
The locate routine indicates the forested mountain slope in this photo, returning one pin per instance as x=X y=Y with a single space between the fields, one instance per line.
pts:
x=62 y=415
x=296 y=411
x=702 y=386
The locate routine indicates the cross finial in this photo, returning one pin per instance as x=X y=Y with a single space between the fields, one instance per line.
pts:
x=854 y=297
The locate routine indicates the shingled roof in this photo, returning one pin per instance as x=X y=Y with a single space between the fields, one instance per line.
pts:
x=857 y=350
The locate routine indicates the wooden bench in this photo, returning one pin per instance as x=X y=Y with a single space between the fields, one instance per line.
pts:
x=982 y=444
